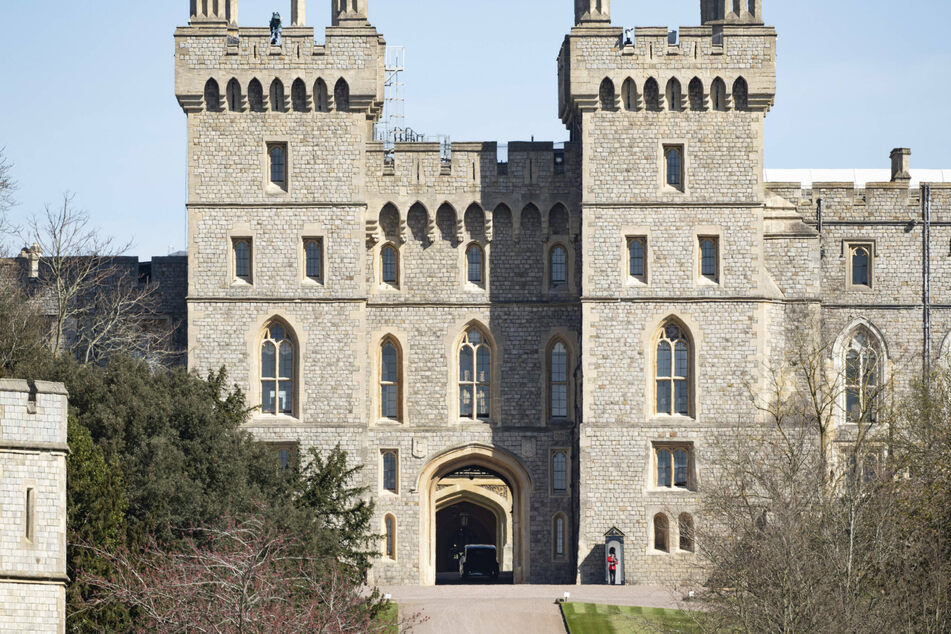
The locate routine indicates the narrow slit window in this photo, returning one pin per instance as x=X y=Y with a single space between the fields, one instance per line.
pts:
x=559 y=468
x=389 y=381
x=389 y=471
x=661 y=529
x=277 y=159
x=674 y=166
x=686 y=532
x=709 y=258
x=559 y=266
x=636 y=248
x=29 y=514
x=559 y=380
x=390 y=537
x=861 y=256
x=559 y=536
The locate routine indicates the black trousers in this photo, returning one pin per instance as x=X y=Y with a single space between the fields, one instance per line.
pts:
x=613 y=574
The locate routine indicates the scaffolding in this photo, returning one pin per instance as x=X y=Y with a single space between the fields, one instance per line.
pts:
x=392 y=126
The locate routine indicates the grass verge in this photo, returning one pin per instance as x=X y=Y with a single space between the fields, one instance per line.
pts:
x=389 y=619
x=591 y=618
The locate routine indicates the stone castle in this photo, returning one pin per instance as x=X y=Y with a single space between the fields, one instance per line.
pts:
x=540 y=351
x=33 y=453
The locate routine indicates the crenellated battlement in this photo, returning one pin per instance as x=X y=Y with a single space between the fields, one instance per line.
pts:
x=217 y=64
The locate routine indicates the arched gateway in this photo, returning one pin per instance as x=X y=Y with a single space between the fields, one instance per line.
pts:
x=510 y=523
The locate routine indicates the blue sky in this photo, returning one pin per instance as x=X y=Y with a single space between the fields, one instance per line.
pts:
x=87 y=103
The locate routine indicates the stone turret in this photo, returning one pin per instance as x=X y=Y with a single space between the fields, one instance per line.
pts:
x=730 y=12
x=349 y=13
x=592 y=11
x=214 y=12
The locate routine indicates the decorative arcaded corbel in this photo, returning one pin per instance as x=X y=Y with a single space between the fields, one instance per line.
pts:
x=489 y=231
x=404 y=231
x=374 y=233
x=546 y=227
x=460 y=231
x=431 y=229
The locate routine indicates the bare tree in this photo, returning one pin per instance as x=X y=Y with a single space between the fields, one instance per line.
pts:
x=96 y=306
x=7 y=187
x=243 y=577
x=793 y=530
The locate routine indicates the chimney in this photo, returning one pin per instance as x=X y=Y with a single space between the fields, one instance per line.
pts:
x=901 y=165
x=32 y=256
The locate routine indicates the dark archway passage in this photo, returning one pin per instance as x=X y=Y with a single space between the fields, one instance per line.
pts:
x=460 y=525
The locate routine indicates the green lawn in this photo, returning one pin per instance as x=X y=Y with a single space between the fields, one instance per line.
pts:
x=389 y=619
x=590 y=618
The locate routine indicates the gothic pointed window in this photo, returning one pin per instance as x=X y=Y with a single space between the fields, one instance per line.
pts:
x=390 y=380
x=277 y=371
x=475 y=363
x=741 y=94
x=558 y=380
x=695 y=89
x=674 y=95
x=256 y=96
x=342 y=96
x=862 y=378
x=321 y=98
x=718 y=94
x=212 y=96
x=652 y=95
x=234 y=96
x=277 y=96
x=672 y=366
x=607 y=94
x=299 y=96
x=629 y=93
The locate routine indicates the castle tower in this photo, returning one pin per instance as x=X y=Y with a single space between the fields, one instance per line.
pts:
x=33 y=514
x=349 y=13
x=671 y=136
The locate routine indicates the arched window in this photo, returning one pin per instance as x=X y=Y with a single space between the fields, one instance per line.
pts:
x=661 y=529
x=862 y=378
x=321 y=98
x=242 y=258
x=277 y=371
x=212 y=96
x=696 y=94
x=558 y=531
x=277 y=158
x=558 y=380
x=674 y=95
x=475 y=264
x=234 y=96
x=607 y=94
x=673 y=371
x=861 y=264
x=652 y=95
x=299 y=95
x=256 y=96
x=685 y=526
x=390 y=471
x=342 y=95
x=674 y=159
x=741 y=94
x=718 y=94
x=559 y=266
x=629 y=94
x=277 y=96
x=475 y=368
x=390 y=381
x=390 y=537
x=389 y=266
x=313 y=259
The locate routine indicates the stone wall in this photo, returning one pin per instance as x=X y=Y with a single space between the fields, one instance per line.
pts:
x=32 y=507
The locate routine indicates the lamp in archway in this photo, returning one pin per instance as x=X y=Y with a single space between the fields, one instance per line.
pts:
x=464 y=519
